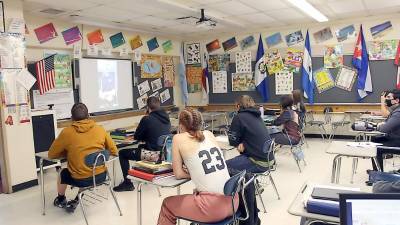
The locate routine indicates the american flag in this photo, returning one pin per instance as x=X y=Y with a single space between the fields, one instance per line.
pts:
x=45 y=74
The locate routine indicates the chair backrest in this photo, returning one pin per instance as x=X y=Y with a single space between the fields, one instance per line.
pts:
x=328 y=115
x=269 y=149
x=232 y=186
x=162 y=145
x=97 y=159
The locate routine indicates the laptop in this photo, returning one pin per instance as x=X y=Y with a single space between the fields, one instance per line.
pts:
x=330 y=194
x=369 y=209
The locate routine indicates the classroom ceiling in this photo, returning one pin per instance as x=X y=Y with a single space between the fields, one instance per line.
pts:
x=159 y=16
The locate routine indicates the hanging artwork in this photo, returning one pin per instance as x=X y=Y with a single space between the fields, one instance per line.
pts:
x=212 y=46
x=382 y=50
x=274 y=39
x=156 y=84
x=193 y=53
x=247 y=42
x=136 y=42
x=346 y=78
x=155 y=94
x=95 y=37
x=63 y=71
x=243 y=62
x=229 y=44
x=333 y=56
x=381 y=29
x=218 y=62
x=194 y=74
x=323 y=80
x=294 y=38
x=152 y=44
x=71 y=35
x=293 y=59
x=323 y=35
x=168 y=70
x=274 y=62
x=165 y=96
x=46 y=33
x=142 y=101
x=243 y=82
x=151 y=66
x=117 y=40
x=167 y=46
x=284 y=82
x=345 y=33
x=220 y=82
x=143 y=87
x=12 y=51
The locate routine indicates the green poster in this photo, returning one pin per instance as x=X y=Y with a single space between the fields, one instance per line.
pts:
x=167 y=46
x=62 y=67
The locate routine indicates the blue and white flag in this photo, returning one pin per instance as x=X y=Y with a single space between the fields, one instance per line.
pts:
x=360 y=62
x=260 y=73
x=307 y=79
x=182 y=76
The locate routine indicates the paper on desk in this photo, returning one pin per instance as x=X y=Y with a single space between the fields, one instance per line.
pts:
x=363 y=144
x=310 y=187
x=26 y=79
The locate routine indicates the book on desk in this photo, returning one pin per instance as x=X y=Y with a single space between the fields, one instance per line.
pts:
x=151 y=171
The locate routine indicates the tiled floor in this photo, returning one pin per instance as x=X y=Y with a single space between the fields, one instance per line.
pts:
x=24 y=207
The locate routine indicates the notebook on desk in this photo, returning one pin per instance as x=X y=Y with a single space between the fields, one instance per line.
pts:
x=330 y=194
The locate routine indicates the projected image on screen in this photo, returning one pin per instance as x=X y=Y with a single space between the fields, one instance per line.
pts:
x=108 y=83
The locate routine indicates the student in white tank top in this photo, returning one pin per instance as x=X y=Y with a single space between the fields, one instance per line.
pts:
x=196 y=155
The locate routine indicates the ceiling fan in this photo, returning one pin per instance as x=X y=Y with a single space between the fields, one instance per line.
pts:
x=203 y=21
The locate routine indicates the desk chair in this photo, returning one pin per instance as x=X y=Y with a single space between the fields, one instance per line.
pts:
x=297 y=152
x=224 y=128
x=234 y=186
x=261 y=178
x=93 y=161
x=320 y=123
x=336 y=124
x=302 y=125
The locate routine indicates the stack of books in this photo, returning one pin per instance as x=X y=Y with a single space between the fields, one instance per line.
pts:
x=121 y=134
x=151 y=171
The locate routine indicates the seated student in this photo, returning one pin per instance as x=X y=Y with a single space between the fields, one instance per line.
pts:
x=75 y=142
x=290 y=121
x=248 y=133
x=385 y=110
x=391 y=128
x=196 y=155
x=155 y=124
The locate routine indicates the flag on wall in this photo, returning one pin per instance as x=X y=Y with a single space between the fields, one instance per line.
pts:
x=397 y=62
x=45 y=74
x=360 y=62
x=260 y=73
x=307 y=79
x=204 y=78
x=182 y=76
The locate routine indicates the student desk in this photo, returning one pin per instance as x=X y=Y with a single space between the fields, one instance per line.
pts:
x=223 y=143
x=44 y=156
x=167 y=182
x=369 y=117
x=210 y=117
x=365 y=135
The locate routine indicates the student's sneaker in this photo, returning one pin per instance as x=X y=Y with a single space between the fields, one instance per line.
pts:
x=60 y=202
x=71 y=205
x=124 y=186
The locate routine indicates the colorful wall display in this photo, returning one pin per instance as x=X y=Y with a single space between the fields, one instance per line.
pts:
x=46 y=33
x=71 y=35
x=345 y=33
x=95 y=37
x=212 y=46
x=229 y=44
x=167 y=46
x=152 y=44
x=323 y=35
x=346 y=78
x=168 y=70
x=193 y=53
x=63 y=71
x=151 y=66
x=381 y=29
x=333 y=56
x=247 y=42
x=218 y=62
x=243 y=62
x=117 y=40
x=323 y=80
x=220 y=82
x=294 y=38
x=274 y=62
x=243 y=82
x=293 y=60
x=283 y=82
x=382 y=50
x=136 y=42
x=194 y=74
x=274 y=39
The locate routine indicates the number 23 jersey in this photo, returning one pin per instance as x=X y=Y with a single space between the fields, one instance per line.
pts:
x=207 y=168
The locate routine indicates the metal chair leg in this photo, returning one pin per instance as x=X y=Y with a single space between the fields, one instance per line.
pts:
x=82 y=207
x=256 y=186
x=274 y=186
x=338 y=169
x=115 y=200
x=353 y=170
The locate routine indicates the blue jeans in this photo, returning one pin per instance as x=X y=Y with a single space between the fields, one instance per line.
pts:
x=242 y=162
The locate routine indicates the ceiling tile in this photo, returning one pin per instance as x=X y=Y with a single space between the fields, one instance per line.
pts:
x=155 y=21
x=108 y=13
x=256 y=18
x=64 y=4
x=139 y=6
x=286 y=14
x=379 y=4
x=346 y=6
x=206 y=2
x=265 y=5
x=232 y=8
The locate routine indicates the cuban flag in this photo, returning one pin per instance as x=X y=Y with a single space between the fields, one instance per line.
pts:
x=360 y=62
x=204 y=78
x=182 y=76
x=260 y=73
x=307 y=80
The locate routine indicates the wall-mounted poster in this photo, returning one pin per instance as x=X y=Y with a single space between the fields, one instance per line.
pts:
x=165 y=96
x=345 y=78
x=151 y=66
x=381 y=29
x=218 y=62
x=142 y=101
x=243 y=82
x=212 y=46
x=167 y=46
x=294 y=38
x=345 y=33
x=194 y=74
x=274 y=62
x=220 y=82
x=136 y=42
x=323 y=80
x=168 y=70
x=63 y=72
x=143 y=87
x=71 y=35
x=156 y=84
x=382 y=50
x=193 y=53
x=284 y=82
x=293 y=59
x=247 y=42
x=117 y=40
x=323 y=35
x=274 y=39
x=229 y=44
x=152 y=44
x=243 y=62
x=95 y=37
x=46 y=33
x=333 y=56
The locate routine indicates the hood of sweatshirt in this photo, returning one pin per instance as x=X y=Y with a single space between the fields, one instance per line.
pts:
x=161 y=115
x=83 y=126
x=253 y=111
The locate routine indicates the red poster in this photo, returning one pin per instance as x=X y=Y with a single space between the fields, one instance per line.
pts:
x=95 y=37
x=45 y=33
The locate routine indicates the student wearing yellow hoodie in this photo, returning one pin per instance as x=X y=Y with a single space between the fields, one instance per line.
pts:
x=75 y=142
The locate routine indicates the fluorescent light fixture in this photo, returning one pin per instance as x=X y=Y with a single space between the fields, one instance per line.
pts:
x=310 y=10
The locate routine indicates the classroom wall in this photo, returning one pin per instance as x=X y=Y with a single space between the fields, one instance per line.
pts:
x=317 y=49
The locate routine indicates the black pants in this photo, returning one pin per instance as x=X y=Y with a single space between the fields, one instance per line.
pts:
x=283 y=139
x=124 y=157
x=388 y=142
